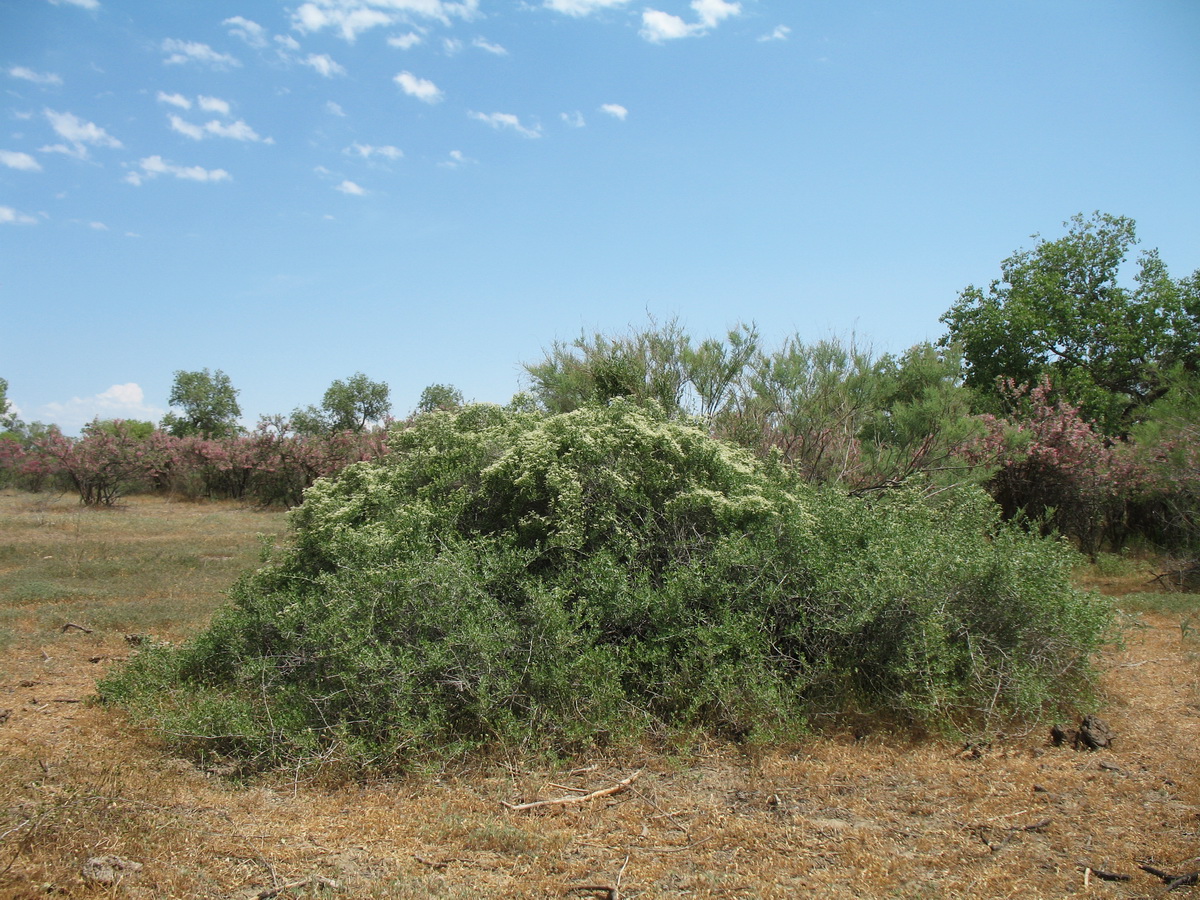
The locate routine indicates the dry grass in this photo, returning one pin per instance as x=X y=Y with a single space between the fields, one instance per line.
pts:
x=877 y=815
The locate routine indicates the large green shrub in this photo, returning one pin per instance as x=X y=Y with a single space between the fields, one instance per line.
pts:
x=508 y=578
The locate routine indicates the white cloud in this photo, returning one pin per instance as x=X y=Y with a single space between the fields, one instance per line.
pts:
x=487 y=45
x=83 y=4
x=175 y=100
x=10 y=216
x=574 y=119
x=405 y=41
x=421 y=88
x=658 y=26
x=187 y=129
x=235 y=131
x=712 y=12
x=349 y=187
x=324 y=64
x=780 y=33
x=455 y=158
x=334 y=109
x=21 y=161
x=616 y=110
x=79 y=133
x=121 y=401
x=582 y=7
x=97 y=226
x=153 y=166
x=287 y=42
x=450 y=46
x=180 y=52
x=506 y=120
x=351 y=19
x=36 y=77
x=249 y=31
x=213 y=104
x=366 y=151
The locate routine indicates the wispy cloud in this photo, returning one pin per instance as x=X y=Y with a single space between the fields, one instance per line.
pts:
x=421 y=88
x=454 y=159
x=500 y=120
x=153 y=166
x=366 y=151
x=249 y=31
x=82 y=4
x=236 y=131
x=780 y=33
x=10 y=216
x=582 y=7
x=350 y=18
x=349 y=187
x=22 y=161
x=488 y=46
x=36 y=77
x=334 y=109
x=79 y=134
x=213 y=105
x=174 y=100
x=658 y=26
x=121 y=401
x=616 y=110
x=324 y=64
x=180 y=52
x=405 y=41
x=574 y=119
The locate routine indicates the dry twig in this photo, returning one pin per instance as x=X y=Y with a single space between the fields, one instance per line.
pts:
x=617 y=788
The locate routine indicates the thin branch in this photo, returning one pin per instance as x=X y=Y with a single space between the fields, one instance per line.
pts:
x=562 y=801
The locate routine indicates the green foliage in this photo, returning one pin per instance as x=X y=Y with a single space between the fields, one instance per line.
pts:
x=645 y=364
x=347 y=406
x=1060 y=310
x=8 y=419
x=445 y=397
x=352 y=403
x=209 y=404
x=133 y=428
x=555 y=582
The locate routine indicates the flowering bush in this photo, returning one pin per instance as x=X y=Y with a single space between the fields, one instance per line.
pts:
x=557 y=582
x=1057 y=469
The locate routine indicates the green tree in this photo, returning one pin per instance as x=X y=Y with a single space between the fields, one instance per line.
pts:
x=439 y=397
x=352 y=403
x=209 y=405
x=1060 y=309
x=347 y=406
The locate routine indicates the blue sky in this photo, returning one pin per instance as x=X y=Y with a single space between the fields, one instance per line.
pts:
x=436 y=190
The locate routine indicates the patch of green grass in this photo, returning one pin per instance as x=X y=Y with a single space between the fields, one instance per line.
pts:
x=1161 y=602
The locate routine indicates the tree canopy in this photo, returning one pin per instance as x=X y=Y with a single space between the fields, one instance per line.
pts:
x=209 y=405
x=1061 y=309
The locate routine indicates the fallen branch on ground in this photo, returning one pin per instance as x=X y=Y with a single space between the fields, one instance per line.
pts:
x=1173 y=881
x=582 y=798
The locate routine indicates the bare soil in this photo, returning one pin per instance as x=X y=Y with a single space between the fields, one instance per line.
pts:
x=846 y=814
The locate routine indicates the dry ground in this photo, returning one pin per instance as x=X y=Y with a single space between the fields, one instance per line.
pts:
x=877 y=815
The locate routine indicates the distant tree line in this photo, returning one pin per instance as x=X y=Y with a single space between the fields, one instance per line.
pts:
x=1072 y=395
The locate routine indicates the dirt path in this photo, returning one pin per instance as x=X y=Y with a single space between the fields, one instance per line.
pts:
x=835 y=817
